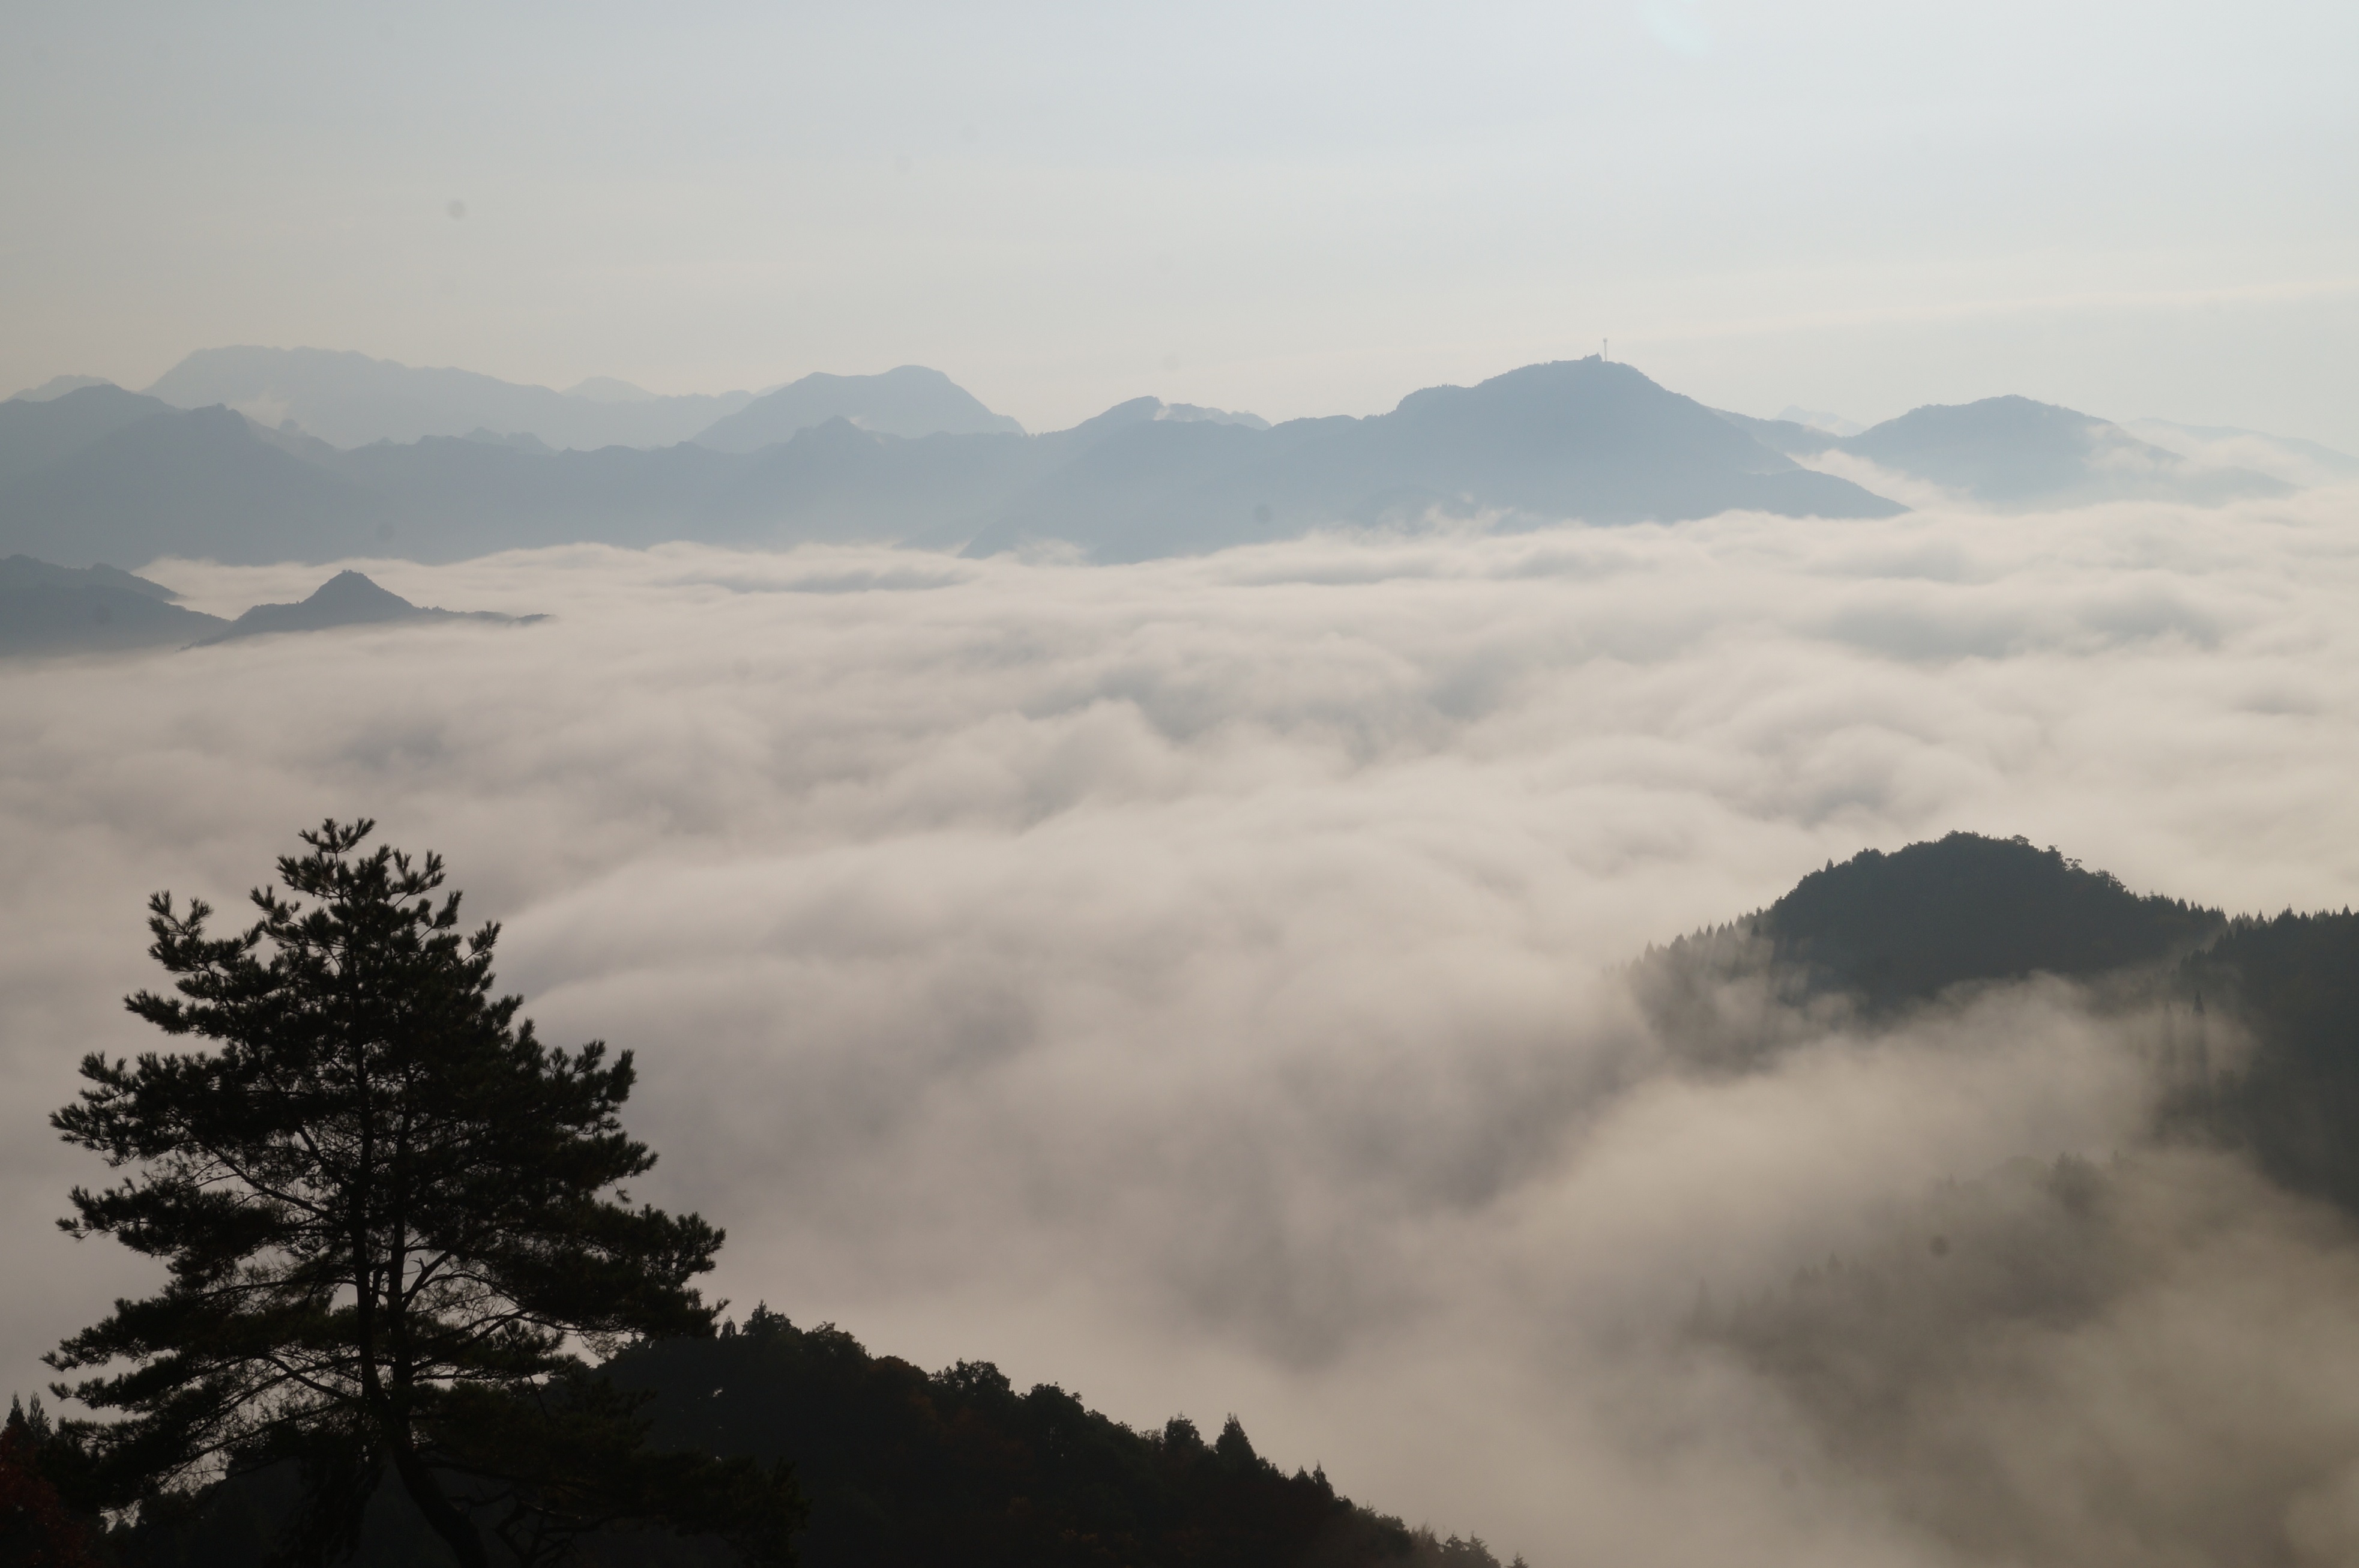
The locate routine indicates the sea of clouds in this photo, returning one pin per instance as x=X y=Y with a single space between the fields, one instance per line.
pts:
x=1198 y=984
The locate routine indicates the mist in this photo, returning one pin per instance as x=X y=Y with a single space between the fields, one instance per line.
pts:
x=1201 y=984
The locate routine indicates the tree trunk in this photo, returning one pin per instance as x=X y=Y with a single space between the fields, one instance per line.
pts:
x=457 y=1531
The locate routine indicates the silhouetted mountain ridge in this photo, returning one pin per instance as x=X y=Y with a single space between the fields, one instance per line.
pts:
x=349 y=399
x=1905 y=927
x=1578 y=440
x=902 y=1469
x=347 y=599
x=1575 y=438
x=49 y=610
x=2012 y=451
x=35 y=433
x=2271 y=1006
x=909 y=400
x=958 y=1469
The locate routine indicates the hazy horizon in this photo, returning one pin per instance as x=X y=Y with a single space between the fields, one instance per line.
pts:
x=1302 y=211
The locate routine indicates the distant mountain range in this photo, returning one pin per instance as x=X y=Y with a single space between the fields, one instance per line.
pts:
x=347 y=599
x=47 y=609
x=2289 y=458
x=101 y=474
x=910 y=401
x=2015 y=452
x=98 y=474
x=58 y=610
x=348 y=400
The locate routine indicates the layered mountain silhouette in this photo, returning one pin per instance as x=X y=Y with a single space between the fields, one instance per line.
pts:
x=53 y=610
x=349 y=399
x=129 y=479
x=1577 y=439
x=100 y=475
x=38 y=432
x=59 y=386
x=910 y=401
x=2015 y=452
x=347 y=599
x=47 y=609
x=2288 y=458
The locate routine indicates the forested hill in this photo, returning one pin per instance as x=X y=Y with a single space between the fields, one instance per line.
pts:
x=2293 y=982
x=1880 y=934
x=956 y=1469
x=901 y=1469
x=1867 y=942
x=1902 y=927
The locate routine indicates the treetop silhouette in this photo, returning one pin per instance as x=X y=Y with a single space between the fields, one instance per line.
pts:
x=390 y=1215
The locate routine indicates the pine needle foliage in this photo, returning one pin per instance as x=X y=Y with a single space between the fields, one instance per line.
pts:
x=391 y=1218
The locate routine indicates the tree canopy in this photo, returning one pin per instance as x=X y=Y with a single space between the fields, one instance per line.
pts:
x=393 y=1219
x=960 y=1469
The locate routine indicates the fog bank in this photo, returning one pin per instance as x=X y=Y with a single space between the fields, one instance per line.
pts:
x=1195 y=984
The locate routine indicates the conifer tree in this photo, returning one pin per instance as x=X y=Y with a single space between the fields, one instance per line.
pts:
x=391 y=1218
x=36 y=1529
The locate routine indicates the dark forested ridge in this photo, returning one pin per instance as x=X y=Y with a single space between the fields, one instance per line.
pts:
x=1883 y=933
x=1904 y=927
x=1874 y=939
x=901 y=1469
x=2293 y=982
x=904 y=1469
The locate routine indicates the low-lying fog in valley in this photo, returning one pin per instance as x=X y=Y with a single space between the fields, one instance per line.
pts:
x=1199 y=984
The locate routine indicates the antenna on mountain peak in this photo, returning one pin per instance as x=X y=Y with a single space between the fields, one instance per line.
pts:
x=1605 y=350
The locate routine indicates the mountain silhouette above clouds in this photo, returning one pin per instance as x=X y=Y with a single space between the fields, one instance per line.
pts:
x=111 y=476
x=48 y=611
x=909 y=402
x=2011 y=453
x=347 y=599
x=2250 y=1019
x=56 y=610
x=98 y=474
x=349 y=401
x=1575 y=438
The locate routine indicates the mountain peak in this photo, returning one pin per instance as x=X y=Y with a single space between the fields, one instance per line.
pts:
x=609 y=389
x=348 y=599
x=906 y=400
x=348 y=591
x=58 y=386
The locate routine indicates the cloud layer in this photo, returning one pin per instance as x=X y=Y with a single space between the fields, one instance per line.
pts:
x=1194 y=983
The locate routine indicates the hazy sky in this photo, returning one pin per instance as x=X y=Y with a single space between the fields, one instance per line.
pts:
x=2145 y=208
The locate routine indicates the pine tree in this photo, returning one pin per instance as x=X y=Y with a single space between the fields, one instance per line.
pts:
x=36 y=1529
x=390 y=1214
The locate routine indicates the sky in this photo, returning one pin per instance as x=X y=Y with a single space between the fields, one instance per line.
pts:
x=1201 y=984
x=2136 y=211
